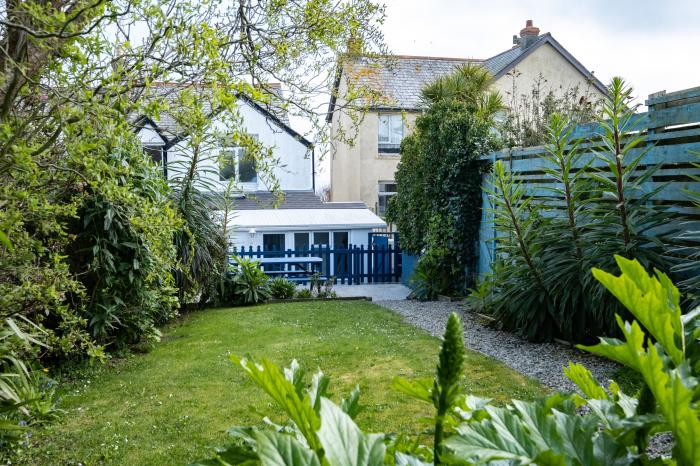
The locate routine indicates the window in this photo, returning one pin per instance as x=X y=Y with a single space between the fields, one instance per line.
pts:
x=301 y=241
x=391 y=132
x=158 y=155
x=386 y=190
x=236 y=164
x=341 y=264
x=322 y=237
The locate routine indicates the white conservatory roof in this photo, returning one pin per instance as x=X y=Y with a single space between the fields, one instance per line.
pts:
x=305 y=219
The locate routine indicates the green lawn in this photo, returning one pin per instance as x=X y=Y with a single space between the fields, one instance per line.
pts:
x=172 y=405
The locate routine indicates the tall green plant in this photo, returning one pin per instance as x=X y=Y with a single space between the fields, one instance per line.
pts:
x=598 y=205
x=627 y=222
x=522 y=300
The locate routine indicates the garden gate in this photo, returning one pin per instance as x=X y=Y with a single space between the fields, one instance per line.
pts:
x=672 y=137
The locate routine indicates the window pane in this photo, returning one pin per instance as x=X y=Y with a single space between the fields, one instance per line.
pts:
x=227 y=167
x=273 y=242
x=387 y=187
x=301 y=241
x=383 y=128
x=321 y=237
x=340 y=240
x=396 y=129
x=246 y=170
x=156 y=153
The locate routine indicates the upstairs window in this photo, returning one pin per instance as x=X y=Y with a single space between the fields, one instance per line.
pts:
x=391 y=132
x=158 y=155
x=236 y=164
x=387 y=189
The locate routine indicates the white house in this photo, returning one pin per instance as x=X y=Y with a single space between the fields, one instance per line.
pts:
x=301 y=219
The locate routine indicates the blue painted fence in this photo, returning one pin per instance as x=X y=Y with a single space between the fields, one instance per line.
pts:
x=671 y=127
x=380 y=262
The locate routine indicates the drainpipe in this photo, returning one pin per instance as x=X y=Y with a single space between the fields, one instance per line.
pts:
x=313 y=170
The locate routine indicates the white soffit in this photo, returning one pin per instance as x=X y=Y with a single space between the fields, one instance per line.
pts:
x=286 y=219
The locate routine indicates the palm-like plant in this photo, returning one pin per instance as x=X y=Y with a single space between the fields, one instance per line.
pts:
x=469 y=84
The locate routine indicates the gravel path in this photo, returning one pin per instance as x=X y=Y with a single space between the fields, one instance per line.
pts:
x=541 y=361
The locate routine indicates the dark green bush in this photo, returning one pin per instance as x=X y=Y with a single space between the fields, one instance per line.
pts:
x=304 y=293
x=438 y=204
x=281 y=288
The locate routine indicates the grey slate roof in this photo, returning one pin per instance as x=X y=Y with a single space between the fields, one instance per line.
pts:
x=398 y=79
x=292 y=200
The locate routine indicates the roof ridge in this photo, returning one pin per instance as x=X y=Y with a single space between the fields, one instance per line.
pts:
x=421 y=57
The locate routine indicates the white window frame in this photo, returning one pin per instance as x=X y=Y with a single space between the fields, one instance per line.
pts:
x=238 y=153
x=385 y=124
x=387 y=194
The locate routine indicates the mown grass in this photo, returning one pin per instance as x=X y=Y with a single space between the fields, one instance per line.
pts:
x=172 y=405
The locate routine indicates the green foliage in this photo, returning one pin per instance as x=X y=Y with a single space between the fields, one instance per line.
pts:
x=125 y=237
x=250 y=284
x=614 y=429
x=542 y=286
x=438 y=205
x=304 y=293
x=281 y=288
x=527 y=122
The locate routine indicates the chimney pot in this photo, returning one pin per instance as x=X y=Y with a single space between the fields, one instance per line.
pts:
x=529 y=34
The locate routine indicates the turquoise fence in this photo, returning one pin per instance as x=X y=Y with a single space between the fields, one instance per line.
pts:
x=671 y=127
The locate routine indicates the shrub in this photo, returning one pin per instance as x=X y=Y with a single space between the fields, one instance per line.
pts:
x=124 y=252
x=542 y=287
x=250 y=283
x=304 y=293
x=281 y=288
x=614 y=429
x=438 y=204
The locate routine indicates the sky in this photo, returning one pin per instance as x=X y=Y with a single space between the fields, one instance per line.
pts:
x=654 y=45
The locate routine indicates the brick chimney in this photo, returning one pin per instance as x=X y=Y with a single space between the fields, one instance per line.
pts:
x=528 y=35
x=355 y=46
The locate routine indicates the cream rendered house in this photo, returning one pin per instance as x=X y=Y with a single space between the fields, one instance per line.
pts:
x=364 y=171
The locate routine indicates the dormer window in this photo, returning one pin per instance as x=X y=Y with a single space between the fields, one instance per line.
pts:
x=390 y=132
x=237 y=164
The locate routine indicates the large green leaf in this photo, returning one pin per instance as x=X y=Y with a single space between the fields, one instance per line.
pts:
x=653 y=301
x=344 y=443
x=269 y=377
x=275 y=449
x=532 y=433
x=672 y=388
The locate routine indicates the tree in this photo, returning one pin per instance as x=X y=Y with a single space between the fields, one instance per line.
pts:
x=89 y=227
x=437 y=208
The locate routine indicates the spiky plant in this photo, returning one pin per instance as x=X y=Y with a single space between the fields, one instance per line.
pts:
x=469 y=84
x=450 y=370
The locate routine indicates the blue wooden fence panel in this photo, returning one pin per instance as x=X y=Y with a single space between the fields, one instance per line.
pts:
x=671 y=128
x=378 y=263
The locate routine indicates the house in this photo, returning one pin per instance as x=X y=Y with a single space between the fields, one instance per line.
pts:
x=364 y=171
x=297 y=221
